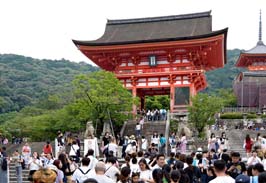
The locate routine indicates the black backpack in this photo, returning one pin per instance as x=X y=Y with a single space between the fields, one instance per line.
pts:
x=4 y=164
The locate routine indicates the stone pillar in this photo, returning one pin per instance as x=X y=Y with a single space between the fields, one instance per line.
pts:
x=106 y=128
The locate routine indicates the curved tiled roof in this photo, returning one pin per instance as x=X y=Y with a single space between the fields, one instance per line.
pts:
x=167 y=28
x=260 y=48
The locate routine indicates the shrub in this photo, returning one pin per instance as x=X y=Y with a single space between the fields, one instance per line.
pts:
x=232 y=115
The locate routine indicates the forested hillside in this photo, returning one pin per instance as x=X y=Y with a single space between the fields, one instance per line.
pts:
x=223 y=78
x=25 y=80
x=48 y=100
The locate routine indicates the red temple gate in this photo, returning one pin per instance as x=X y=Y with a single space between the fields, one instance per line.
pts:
x=160 y=55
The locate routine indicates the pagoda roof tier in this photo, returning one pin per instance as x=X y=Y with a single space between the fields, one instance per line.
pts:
x=252 y=57
x=154 y=29
x=255 y=58
x=260 y=48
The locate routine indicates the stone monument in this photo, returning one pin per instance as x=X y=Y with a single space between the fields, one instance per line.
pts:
x=90 y=141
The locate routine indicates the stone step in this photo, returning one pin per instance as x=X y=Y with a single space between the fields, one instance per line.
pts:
x=12 y=174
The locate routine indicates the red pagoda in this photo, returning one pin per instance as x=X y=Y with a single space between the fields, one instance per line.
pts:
x=160 y=55
x=250 y=85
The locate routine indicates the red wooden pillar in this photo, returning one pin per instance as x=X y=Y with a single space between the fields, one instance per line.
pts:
x=172 y=97
x=134 y=94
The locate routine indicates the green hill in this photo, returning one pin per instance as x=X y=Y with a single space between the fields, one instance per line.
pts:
x=25 y=80
x=223 y=78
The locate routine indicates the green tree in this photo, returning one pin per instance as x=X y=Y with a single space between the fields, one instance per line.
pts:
x=228 y=97
x=157 y=102
x=202 y=111
x=100 y=96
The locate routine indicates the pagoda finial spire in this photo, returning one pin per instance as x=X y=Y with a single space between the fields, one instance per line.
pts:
x=260 y=28
x=260 y=32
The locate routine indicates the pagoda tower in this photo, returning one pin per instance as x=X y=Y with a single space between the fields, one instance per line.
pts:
x=166 y=55
x=250 y=85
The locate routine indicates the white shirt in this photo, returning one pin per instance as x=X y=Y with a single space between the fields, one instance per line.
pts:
x=134 y=168
x=253 y=161
x=103 y=179
x=138 y=127
x=264 y=164
x=155 y=140
x=79 y=176
x=111 y=171
x=223 y=179
x=145 y=175
x=93 y=162
x=35 y=164
x=112 y=147
x=73 y=150
x=144 y=144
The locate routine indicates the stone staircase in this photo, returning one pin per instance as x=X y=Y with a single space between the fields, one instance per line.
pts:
x=236 y=138
x=13 y=177
x=148 y=128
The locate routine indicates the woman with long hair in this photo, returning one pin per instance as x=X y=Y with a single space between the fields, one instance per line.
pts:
x=248 y=144
x=145 y=171
x=59 y=173
x=183 y=145
x=211 y=142
x=65 y=166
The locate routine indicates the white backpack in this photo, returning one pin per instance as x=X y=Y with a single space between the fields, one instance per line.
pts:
x=84 y=177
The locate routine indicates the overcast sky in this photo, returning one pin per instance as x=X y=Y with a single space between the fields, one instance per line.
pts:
x=45 y=28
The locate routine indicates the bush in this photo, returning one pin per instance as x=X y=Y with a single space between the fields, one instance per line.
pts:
x=237 y=115
x=251 y=116
x=232 y=115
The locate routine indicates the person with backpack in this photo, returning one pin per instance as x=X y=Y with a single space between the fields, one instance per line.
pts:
x=74 y=151
x=111 y=170
x=17 y=159
x=83 y=172
x=4 y=165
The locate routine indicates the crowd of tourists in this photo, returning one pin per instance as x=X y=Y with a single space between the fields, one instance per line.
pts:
x=141 y=160
x=153 y=114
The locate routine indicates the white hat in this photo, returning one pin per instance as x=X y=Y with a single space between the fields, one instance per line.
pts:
x=52 y=167
x=199 y=149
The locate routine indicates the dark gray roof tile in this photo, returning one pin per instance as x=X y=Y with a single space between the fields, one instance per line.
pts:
x=156 y=28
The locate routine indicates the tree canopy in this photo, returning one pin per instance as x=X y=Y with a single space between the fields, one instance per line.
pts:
x=102 y=95
x=25 y=80
x=202 y=111
x=97 y=97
